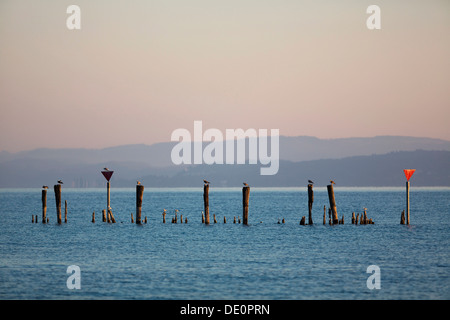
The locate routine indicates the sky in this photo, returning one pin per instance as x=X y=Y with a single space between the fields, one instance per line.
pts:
x=138 y=70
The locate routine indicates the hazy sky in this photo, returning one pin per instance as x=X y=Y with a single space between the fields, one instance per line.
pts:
x=137 y=70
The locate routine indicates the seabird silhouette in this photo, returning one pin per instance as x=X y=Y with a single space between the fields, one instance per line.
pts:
x=332 y=182
x=138 y=182
x=60 y=182
x=206 y=182
x=106 y=169
x=311 y=182
x=245 y=184
x=44 y=187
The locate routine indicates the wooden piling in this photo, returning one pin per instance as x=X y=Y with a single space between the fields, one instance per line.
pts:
x=206 y=202
x=44 y=205
x=57 y=189
x=65 y=211
x=402 y=218
x=203 y=217
x=324 y=215
x=214 y=215
x=181 y=218
x=234 y=221
x=139 y=196
x=407 y=202
x=132 y=219
x=310 y=202
x=245 y=200
x=108 y=195
x=224 y=219
x=357 y=219
x=185 y=220
x=93 y=217
x=145 y=219
x=332 y=203
x=104 y=215
x=164 y=216
x=353 y=217
x=113 y=220
x=32 y=218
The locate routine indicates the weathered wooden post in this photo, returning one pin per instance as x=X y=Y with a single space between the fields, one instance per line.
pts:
x=206 y=202
x=245 y=199
x=32 y=218
x=353 y=217
x=44 y=205
x=93 y=217
x=310 y=202
x=224 y=219
x=407 y=202
x=104 y=215
x=164 y=216
x=324 y=215
x=139 y=196
x=332 y=204
x=65 y=211
x=402 y=218
x=113 y=220
x=57 y=189
x=132 y=220
x=215 y=221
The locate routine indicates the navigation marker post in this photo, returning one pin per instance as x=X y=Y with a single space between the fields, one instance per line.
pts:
x=108 y=174
x=408 y=175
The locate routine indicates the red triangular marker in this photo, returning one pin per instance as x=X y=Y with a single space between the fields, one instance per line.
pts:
x=408 y=173
x=107 y=174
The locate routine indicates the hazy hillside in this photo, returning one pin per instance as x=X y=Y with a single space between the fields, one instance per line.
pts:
x=377 y=161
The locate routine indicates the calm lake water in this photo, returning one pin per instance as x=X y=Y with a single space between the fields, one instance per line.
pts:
x=264 y=260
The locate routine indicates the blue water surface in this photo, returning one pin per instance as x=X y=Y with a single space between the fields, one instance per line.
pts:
x=264 y=260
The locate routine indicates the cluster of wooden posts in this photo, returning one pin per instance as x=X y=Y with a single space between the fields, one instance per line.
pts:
x=107 y=215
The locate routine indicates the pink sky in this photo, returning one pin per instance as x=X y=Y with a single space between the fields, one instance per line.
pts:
x=138 y=70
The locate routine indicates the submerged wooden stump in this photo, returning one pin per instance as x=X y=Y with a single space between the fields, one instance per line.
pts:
x=303 y=221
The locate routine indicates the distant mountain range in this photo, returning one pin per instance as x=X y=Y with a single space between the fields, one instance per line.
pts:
x=376 y=161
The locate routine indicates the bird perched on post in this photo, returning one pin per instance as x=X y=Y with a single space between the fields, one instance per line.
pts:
x=332 y=182
x=310 y=182
x=206 y=182
x=245 y=184
x=44 y=187
x=60 y=182
x=138 y=182
x=106 y=169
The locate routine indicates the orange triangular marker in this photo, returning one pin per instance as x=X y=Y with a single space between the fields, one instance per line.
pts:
x=408 y=173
